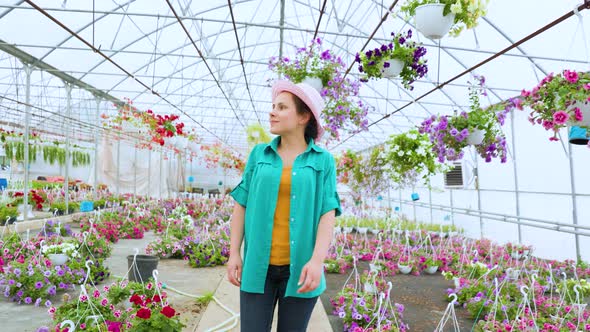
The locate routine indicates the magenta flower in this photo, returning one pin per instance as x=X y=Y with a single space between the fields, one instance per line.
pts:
x=570 y=76
x=560 y=117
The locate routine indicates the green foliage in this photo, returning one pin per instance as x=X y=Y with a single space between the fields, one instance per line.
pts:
x=410 y=156
x=16 y=150
x=256 y=135
x=7 y=213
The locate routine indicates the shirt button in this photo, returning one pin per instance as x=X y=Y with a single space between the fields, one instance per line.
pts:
x=293 y=196
x=292 y=242
x=292 y=219
x=294 y=173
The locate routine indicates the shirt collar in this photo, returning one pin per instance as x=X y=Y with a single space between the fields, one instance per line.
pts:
x=274 y=144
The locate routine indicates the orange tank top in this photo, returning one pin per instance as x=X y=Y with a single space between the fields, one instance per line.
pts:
x=280 y=249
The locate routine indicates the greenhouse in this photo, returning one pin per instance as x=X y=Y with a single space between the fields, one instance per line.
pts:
x=294 y=165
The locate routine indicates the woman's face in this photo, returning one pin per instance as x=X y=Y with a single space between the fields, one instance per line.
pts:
x=284 y=118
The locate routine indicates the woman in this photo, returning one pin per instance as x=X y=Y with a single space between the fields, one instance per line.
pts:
x=285 y=211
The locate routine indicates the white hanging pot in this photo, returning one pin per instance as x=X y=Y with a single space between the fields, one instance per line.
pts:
x=314 y=82
x=374 y=231
x=431 y=269
x=585 y=108
x=475 y=137
x=395 y=68
x=431 y=22
x=347 y=229
x=337 y=229
x=374 y=268
x=404 y=269
x=369 y=288
x=58 y=259
x=361 y=230
x=457 y=282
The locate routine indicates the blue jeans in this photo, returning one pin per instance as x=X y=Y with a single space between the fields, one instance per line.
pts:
x=256 y=310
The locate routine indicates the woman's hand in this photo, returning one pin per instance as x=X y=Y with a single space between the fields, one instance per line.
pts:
x=311 y=274
x=234 y=269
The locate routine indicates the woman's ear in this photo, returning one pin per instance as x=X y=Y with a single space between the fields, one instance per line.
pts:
x=305 y=118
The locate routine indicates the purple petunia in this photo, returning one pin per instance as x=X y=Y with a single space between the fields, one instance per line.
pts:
x=28 y=300
x=38 y=285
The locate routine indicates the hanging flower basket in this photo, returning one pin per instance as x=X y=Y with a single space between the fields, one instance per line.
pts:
x=431 y=21
x=314 y=82
x=404 y=269
x=431 y=269
x=475 y=137
x=401 y=57
x=392 y=68
x=436 y=18
x=58 y=259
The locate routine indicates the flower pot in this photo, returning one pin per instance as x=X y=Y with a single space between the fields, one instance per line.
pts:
x=431 y=22
x=58 y=259
x=516 y=255
x=512 y=274
x=369 y=288
x=314 y=82
x=361 y=230
x=347 y=229
x=457 y=282
x=374 y=267
x=404 y=269
x=374 y=231
x=142 y=270
x=578 y=135
x=337 y=229
x=431 y=269
x=21 y=212
x=395 y=68
x=475 y=137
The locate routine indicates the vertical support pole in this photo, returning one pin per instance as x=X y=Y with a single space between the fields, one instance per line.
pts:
x=28 y=71
x=452 y=209
x=400 y=201
x=149 y=187
x=430 y=203
x=96 y=138
x=160 y=177
x=476 y=173
x=135 y=172
x=515 y=171
x=118 y=190
x=574 y=201
x=414 y=205
x=68 y=152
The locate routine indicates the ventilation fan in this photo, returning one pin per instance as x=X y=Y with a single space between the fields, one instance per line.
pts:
x=460 y=176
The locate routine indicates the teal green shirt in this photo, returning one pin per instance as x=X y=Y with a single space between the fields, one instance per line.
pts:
x=313 y=193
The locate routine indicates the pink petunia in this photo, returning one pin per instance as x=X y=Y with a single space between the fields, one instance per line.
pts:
x=586 y=86
x=560 y=117
x=571 y=76
x=578 y=114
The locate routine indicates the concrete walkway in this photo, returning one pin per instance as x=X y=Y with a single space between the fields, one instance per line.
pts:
x=229 y=295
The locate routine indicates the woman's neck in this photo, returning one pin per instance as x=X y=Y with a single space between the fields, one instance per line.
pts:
x=295 y=143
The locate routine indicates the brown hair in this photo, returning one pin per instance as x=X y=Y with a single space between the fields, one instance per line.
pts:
x=311 y=130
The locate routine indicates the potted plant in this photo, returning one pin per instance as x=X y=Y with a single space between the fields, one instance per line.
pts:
x=402 y=57
x=406 y=264
x=409 y=157
x=343 y=110
x=60 y=253
x=432 y=264
x=451 y=134
x=434 y=18
x=560 y=100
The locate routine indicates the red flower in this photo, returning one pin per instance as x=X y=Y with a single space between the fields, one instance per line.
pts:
x=168 y=311
x=136 y=299
x=144 y=313
x=156 y=298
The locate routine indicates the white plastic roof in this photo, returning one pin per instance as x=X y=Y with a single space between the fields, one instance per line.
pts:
x=144 y=38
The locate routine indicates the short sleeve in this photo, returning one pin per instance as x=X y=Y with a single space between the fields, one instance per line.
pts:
x=331 y=199
x=240 y=192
